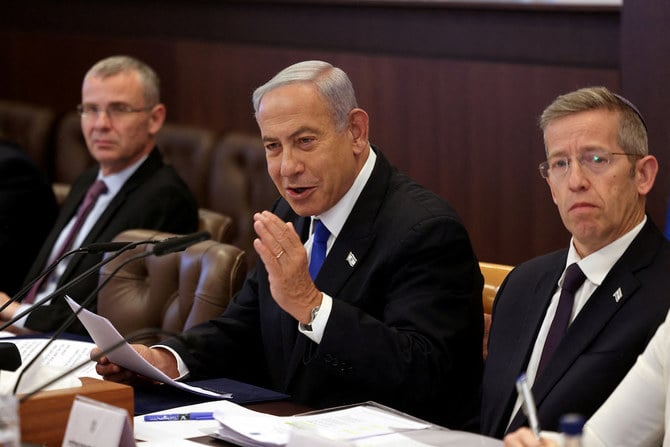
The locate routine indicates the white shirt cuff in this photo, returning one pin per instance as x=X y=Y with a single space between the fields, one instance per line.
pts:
x=319 y=323
x=181 y=366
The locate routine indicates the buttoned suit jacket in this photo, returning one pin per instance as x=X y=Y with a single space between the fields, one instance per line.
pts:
x=154 y=197
x=599 y=347
x=406 y=323
x=28 y=210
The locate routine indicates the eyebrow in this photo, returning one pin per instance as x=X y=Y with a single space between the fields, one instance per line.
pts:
x=300 y=130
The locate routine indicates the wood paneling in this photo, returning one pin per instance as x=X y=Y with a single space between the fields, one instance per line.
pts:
x=453 y=94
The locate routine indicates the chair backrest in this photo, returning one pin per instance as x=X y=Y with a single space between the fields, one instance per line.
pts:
x=239 y=185
x=30 y=126
x=188 y=149
x=173 y=292
x=494 y=275
x=71 y=156
x=220 y=227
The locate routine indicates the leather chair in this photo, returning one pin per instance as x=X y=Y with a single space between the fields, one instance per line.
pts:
x=172 y=292
x=239 y=186
x=188 y=149
x=71 y=156
x=30 y=126
x=220 y=227
x=494 y=275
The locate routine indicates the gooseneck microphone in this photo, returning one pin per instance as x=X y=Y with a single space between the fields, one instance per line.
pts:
x=124 y=247
x=95 y=248
x=10 y=358
x=166 y=246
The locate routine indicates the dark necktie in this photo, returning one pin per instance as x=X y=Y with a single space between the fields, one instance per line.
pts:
x=319 y=244
x=574 y=278
x=85 y=208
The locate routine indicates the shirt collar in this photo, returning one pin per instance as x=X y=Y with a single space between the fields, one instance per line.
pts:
x=597 y=265
x=116 y=180
x=335 y=217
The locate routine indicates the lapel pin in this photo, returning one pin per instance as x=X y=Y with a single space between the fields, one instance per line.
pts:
x=351 y=259
x=617 y=295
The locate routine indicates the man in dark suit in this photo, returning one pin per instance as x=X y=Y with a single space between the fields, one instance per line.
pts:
x=120 y=116
x=395 y=312
x=28 y=210
x=599 y=171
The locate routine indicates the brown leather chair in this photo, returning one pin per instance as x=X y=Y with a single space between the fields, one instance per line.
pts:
x=220 y=227
x=31 y=127
x=239 y=186
x=173 y=292
x=71 y=156
x=494 y=275
x=188 y=149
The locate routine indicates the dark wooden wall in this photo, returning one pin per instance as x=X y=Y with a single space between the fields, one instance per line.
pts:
x=453 y=91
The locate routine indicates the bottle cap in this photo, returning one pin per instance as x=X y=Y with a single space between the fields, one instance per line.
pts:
x=572 y=424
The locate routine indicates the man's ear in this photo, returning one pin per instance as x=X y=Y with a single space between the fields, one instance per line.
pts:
x=358 y=127
x=646 y=169
x=157 y=118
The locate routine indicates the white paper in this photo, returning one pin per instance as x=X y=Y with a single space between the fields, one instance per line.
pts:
x=105 y=336
x=60 y=356
x=355 y=425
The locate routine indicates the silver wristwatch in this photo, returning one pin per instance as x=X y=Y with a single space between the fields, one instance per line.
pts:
x=312 y=317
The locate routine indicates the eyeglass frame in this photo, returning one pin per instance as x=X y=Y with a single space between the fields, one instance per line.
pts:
x=118 y=110
x=545 y=168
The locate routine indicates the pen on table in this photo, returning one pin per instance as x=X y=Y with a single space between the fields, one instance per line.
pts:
x=196 y=416
x=528 y=404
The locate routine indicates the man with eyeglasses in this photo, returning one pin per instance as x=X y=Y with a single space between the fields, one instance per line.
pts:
x=130 y=187
x=575 y=320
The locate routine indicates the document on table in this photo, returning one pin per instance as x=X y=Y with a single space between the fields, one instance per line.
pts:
x=61 y=356
x=106 y=336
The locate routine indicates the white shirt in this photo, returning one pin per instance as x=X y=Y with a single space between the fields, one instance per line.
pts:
x=595 y=266
x=334 y=220
x=114 y=183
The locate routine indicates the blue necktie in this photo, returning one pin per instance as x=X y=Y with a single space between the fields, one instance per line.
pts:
x=319 y=244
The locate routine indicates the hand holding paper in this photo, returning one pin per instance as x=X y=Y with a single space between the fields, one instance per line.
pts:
x=105 y=336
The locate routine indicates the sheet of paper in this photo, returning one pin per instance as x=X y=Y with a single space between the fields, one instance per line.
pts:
x=60 y=356
x=105 y=336
x=170 y=431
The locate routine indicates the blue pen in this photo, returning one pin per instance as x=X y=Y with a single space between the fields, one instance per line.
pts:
x=195 y=416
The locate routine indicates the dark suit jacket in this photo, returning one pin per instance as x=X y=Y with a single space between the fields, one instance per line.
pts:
x=406 y=323
x=28 y=210
x=599 y=347
x=154 y=197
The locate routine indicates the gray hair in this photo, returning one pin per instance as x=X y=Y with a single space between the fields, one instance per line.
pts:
x=632 y=133
x=118 y=64
x=331 y=83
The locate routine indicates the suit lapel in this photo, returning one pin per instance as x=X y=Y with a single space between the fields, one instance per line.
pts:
x=348 y=251
x=145 y=171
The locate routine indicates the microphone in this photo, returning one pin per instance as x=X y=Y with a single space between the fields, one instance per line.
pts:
x=10 y=358
x=170 y=245
x=97 y=247
x=135 y=335
x=179 y=243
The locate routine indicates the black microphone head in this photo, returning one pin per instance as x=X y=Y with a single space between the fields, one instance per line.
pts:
x=103 y=247
x=10 y=358
x=179 y=243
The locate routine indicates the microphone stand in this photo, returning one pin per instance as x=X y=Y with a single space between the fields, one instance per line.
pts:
x=75 y=281
x=72 y=317
x=164 y=247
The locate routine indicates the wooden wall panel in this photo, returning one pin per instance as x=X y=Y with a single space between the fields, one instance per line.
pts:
x=464 y=127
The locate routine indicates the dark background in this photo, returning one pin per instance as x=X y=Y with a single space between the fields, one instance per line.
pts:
x=453 y=90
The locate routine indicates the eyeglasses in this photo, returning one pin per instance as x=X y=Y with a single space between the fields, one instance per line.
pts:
x=115 y=110
x=596 y=161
